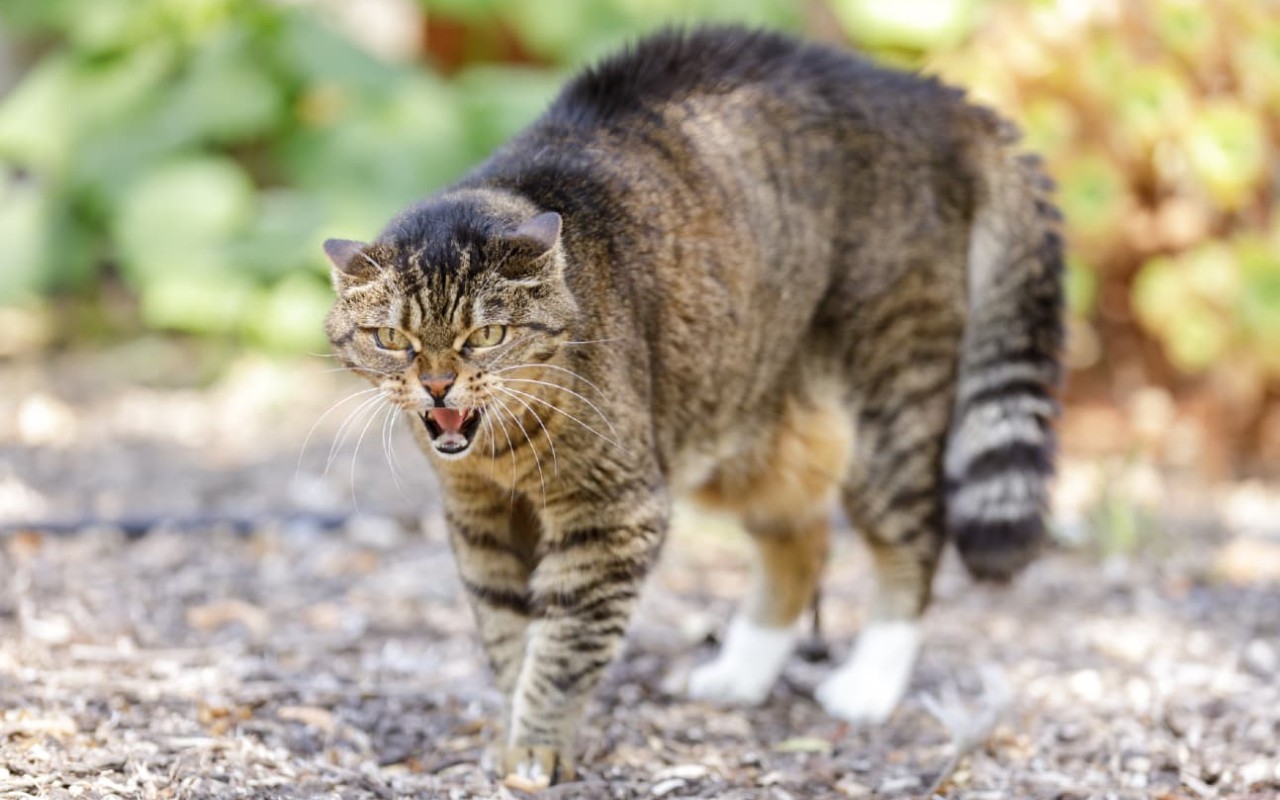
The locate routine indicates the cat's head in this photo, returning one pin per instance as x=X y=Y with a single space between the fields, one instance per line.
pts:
x=448 y=309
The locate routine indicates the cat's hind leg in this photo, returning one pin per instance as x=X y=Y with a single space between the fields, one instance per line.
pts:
x=782 y=491
x=763 y=633
x=895 y=498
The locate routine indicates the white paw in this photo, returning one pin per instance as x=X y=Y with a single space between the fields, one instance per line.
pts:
x=869 y=686
x=533 y=771
x=747 y=666
x=729 y=684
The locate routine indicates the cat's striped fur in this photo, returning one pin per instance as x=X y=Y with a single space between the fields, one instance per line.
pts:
x=764 y=274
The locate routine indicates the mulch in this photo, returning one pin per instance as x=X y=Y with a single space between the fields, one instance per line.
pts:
x=251 y=634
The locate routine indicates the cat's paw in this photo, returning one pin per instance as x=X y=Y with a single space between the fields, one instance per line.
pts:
x=729 y=683
x=869 y=686
x=747 y=666
x=532 y=769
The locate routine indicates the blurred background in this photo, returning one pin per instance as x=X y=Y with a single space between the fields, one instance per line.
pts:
x=168 y=169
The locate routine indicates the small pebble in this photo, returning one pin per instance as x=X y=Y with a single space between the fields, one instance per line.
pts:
x=687 y=772
x=851 y=788
x=891 y=785
x=379 y=533
x=1260 y=658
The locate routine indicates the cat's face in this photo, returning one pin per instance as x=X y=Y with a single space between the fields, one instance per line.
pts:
x=449 y=328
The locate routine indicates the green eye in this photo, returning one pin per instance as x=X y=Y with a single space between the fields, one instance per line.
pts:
x=488 y=336
x=391 y=339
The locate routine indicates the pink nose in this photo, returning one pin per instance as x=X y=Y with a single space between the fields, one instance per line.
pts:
x=438 y=385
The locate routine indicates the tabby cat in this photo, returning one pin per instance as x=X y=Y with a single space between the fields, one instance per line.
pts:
x=731 y=266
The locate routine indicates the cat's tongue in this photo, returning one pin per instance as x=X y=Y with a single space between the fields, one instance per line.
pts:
x=449 y=419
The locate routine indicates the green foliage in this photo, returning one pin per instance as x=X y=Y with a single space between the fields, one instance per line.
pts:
x=1161 y=122
x=919 y=25
x=200 y=150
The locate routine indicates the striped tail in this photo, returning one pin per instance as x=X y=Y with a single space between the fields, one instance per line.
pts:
x=1000 y=451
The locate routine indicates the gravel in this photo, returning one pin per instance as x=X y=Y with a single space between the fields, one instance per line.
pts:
x=248 y=632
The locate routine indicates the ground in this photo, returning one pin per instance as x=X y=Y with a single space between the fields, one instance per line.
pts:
x=205 y=611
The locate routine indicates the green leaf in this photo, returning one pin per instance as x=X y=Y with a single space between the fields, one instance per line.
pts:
x=290 y=317
x=24 y=225
x=1226 y=146
x=205 y=303
x=178 y=217
x=1197 y=340
x=803 y=744
x=1259 y=299
x=1158 y=295
x=384 y=151
x=317 y=54
x=225 y=95
x=1187 y=27
x=284 y=236
x=36 y=129
x=910 y=24
x=1153 y=103
x=1093 y=194
x=1082 y=287
x=500 y=101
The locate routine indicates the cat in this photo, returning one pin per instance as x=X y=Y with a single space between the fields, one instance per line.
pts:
x=728 y=265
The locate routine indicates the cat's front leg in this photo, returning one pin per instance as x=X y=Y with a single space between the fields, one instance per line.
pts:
x=493 y=538
x=583 y=591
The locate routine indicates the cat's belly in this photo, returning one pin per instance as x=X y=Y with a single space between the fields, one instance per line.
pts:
x=798 y=461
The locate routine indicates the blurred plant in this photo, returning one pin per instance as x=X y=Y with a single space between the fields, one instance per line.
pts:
x=1161 y=121
x=198 y=151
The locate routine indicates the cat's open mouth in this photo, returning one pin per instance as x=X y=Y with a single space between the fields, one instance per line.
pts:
x=452 y=429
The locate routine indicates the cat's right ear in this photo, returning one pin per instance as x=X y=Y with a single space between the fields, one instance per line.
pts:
x=530 y=244
x=350 y=264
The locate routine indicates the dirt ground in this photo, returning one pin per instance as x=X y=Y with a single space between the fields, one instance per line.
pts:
x=193 y=606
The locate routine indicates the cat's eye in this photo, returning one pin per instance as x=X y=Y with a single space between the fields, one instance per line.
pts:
x=391 y=339
x=488 y=336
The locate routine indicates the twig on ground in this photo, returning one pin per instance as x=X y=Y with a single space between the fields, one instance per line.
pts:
x=968 y=727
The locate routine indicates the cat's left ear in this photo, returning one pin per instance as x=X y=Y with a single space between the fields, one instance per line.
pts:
x=350 y=264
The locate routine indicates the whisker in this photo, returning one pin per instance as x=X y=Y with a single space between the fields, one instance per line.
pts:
x=504 y=350
x=554 y=460
x=493 y=446
x=511 y=448
x=371 y=371
x=559 y=410
x=594 y=407
x=341 y=436
x=302 y=451
x=597 y=341
x=388 y=448
x=536 y=460
x=397 y=416
x=552 y=366
x=355 y=454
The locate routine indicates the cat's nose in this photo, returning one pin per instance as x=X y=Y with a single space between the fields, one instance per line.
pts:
x=438 y=385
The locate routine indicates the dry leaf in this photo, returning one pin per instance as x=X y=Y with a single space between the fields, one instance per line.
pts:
x=803 y=744
x=212 y=616
x=319 y=718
